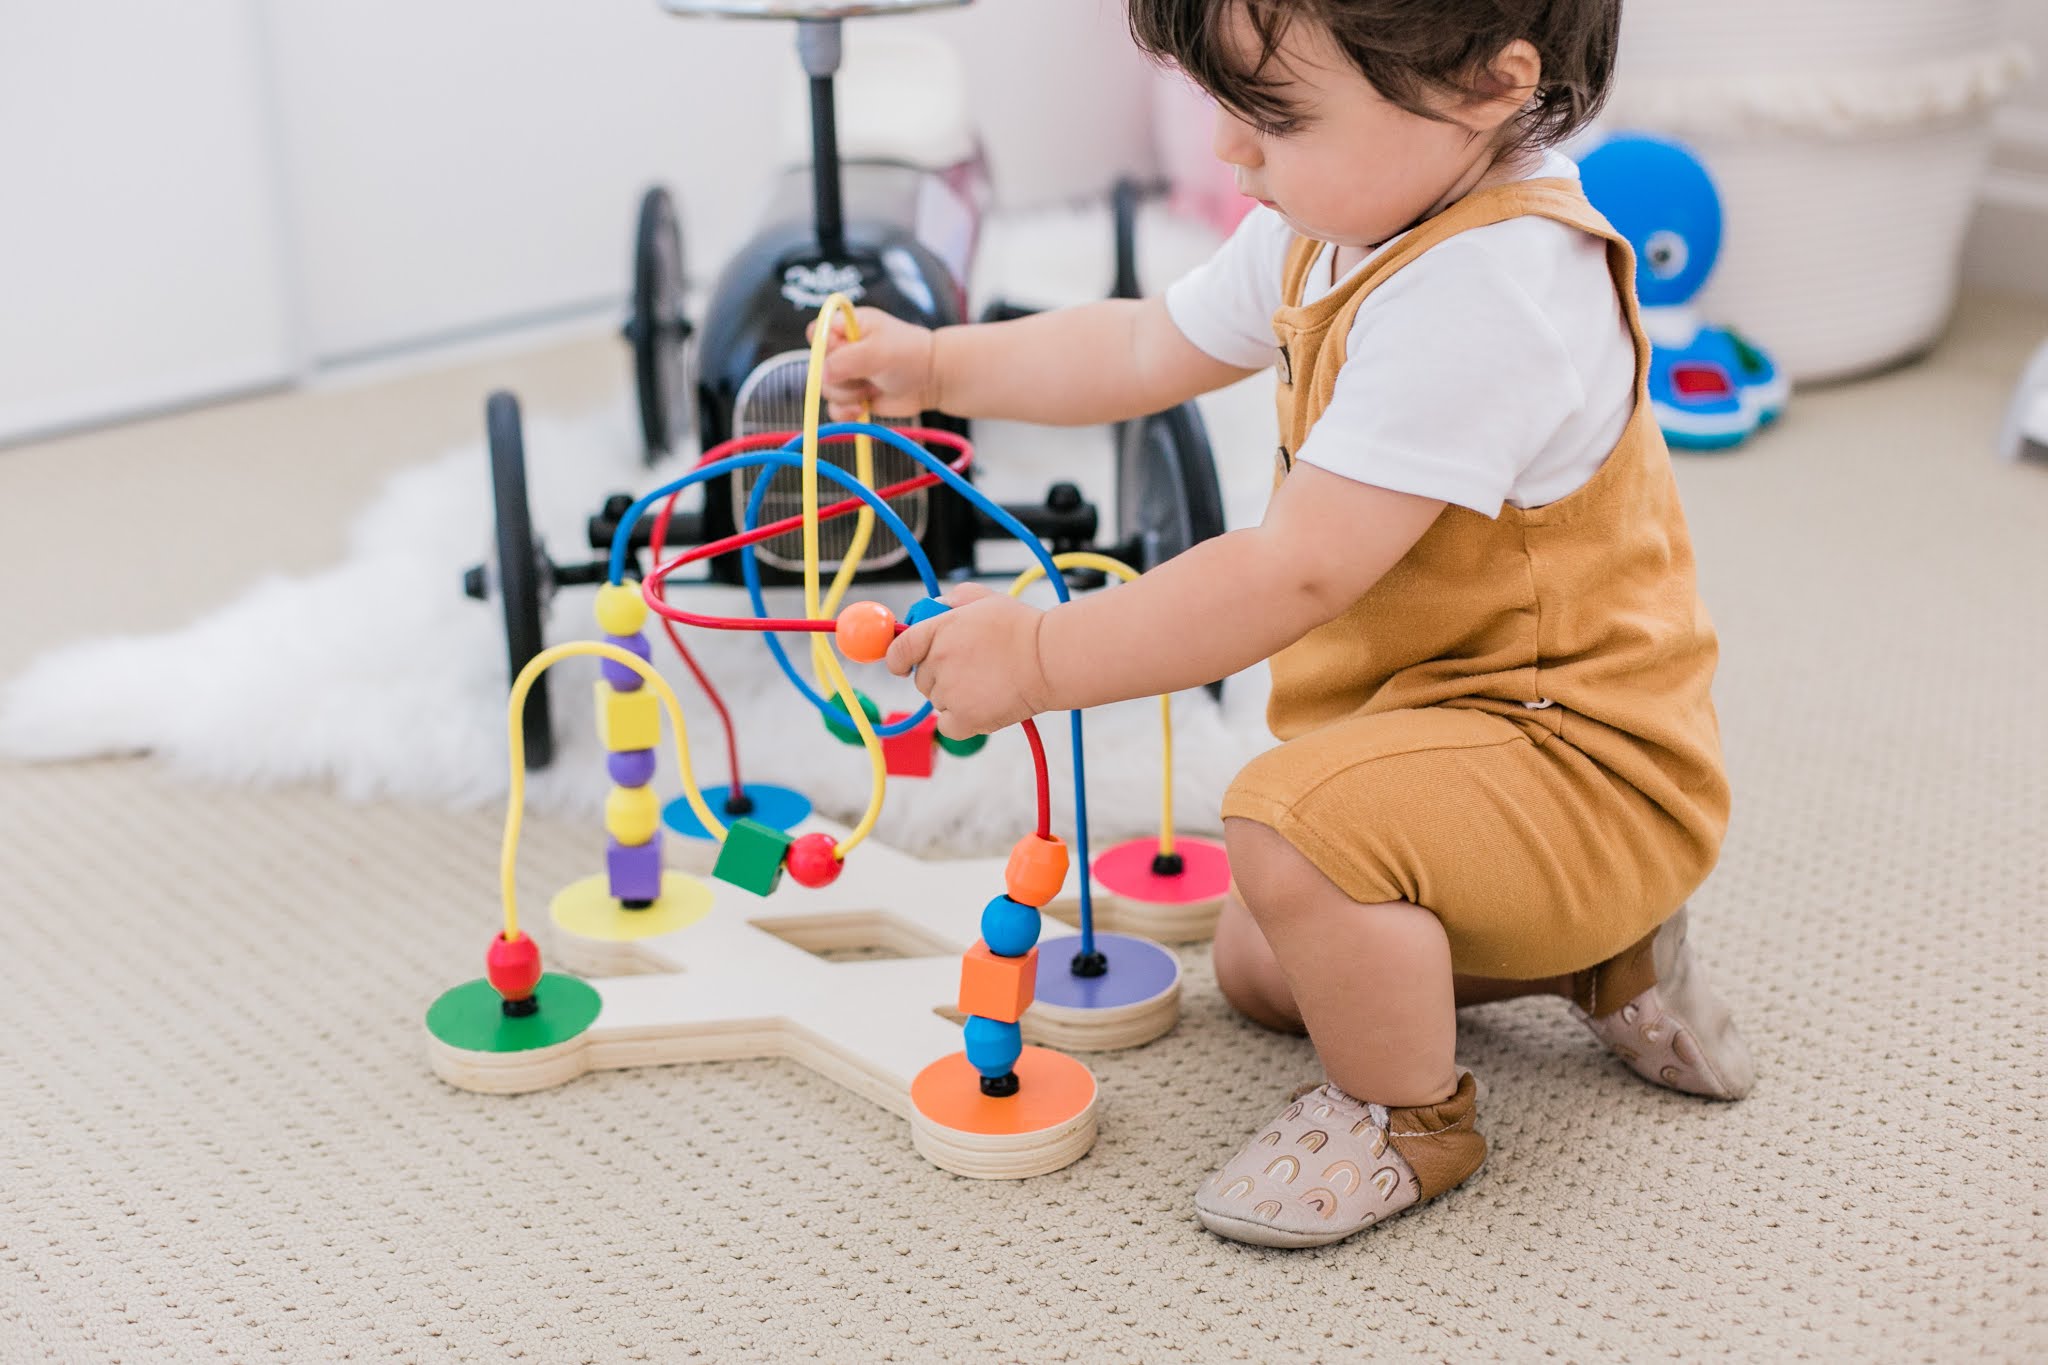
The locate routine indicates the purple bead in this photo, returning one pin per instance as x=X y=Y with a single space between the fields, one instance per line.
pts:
x=620 y=676
x=631 y=767
x=635 y=869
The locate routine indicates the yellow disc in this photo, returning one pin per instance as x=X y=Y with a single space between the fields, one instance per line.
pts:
x=632 y=814
x=588 y=909
x=621 y=610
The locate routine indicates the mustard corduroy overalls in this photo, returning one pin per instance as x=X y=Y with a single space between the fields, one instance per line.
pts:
x=1512 y=729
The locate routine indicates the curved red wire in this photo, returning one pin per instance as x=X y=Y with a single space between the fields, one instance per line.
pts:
x=1044 y=782
x=797 y=624
x=735 y=788
x=654 y=590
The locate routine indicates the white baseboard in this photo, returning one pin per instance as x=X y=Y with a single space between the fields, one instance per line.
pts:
x=2007 y=247
x=506 y=336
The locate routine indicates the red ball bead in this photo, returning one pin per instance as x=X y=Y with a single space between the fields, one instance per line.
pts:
x=513 y=966
x=865 y=631
x=814 y=860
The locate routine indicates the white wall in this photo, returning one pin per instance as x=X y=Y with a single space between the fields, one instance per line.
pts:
x=2008 y=243
x=464 y=164
x=199 y=197
x=139 y=244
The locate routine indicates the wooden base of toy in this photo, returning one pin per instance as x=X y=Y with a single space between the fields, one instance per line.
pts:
x=1176 y=909
x=1047 y=1124
x=1127 y=900
x=748 y=980
x=606 y=930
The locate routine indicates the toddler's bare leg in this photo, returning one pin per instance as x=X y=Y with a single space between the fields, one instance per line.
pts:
x=1249 y=975
x=1372 y=983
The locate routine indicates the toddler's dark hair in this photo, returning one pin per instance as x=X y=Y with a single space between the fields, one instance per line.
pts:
x=1406 y=48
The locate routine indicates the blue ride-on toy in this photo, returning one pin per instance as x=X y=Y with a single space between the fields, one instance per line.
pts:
x=1710 y=387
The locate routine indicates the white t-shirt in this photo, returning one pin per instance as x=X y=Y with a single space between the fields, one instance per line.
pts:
x=1495 y=368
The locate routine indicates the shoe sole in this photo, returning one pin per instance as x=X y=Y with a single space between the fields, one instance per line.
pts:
x=1262 y=1235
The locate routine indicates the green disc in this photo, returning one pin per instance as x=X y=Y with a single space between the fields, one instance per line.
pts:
x=472 y=1016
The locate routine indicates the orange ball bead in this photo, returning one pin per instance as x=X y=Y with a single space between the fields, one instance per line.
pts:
x=865 y=631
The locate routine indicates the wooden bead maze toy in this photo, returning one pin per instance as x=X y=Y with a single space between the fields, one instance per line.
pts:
x=957 y=1034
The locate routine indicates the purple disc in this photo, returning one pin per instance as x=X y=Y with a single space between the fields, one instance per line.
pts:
x=1139 y=970
x=620 y=676
x=631 y=767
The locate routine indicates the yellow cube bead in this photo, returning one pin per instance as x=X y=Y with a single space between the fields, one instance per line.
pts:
x=632 y=814
x=621 y=610
x=628 y=720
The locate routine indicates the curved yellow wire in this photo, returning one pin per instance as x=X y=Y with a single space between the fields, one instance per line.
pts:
x=823 y=660
x=822 y=657
x=515 y=799
x=1088 y=559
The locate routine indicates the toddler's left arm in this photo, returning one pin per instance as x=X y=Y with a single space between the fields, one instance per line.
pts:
x=1209 y=612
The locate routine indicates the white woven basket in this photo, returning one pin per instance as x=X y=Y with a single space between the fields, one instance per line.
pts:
x=1848 y=138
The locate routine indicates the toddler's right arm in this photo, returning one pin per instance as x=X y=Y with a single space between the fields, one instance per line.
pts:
x=1099 y=362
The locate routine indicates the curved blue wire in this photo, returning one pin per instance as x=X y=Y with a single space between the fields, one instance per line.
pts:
x=780 y=459
x=616 y=568
x=1059 y=586
x=754 y=460
x=750 y=569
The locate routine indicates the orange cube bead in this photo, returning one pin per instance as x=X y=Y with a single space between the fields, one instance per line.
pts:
x=1037 y=870
x=998 y=988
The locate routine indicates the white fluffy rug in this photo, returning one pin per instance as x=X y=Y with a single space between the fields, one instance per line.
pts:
x=379 y=677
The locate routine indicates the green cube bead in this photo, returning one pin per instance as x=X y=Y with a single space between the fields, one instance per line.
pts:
x=841 y=728
x=751 y=856
x=962 y=748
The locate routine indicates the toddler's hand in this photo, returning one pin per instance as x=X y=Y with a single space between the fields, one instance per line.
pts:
x=890 y=368
x=978 y=663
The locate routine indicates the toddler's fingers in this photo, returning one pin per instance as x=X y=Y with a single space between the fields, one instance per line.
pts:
x=910 y=650
x=845 y=405
x=838 y=330
x=852 y=361
x=962 y=594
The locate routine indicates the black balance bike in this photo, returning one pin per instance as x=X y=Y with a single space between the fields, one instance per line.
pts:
x=889 y=233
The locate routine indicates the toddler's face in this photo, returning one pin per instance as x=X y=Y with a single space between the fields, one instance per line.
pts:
x=1350 y=167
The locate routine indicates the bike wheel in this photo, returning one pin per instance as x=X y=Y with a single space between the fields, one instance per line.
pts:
x=1167 y=496
x=521 y=569
x=659 y=330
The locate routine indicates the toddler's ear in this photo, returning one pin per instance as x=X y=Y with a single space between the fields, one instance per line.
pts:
x=1507 y=84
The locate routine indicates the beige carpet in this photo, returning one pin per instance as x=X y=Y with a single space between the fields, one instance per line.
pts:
x=219 y=1138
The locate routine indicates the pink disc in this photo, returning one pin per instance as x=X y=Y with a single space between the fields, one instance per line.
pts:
x=1125 y=870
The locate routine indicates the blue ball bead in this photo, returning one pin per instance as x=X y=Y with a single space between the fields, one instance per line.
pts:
x=1009 y=929
x=925 y=610
x=993 y=1047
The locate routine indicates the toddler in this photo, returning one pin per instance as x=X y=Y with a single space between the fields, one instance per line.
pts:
x=1498 y=771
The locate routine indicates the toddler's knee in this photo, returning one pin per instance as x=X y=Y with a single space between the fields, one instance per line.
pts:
x=1247 y=973
x=1270 y=873
x=1250 y=992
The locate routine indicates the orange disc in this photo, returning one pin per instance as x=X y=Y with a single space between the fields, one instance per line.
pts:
x=1052 y=1090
